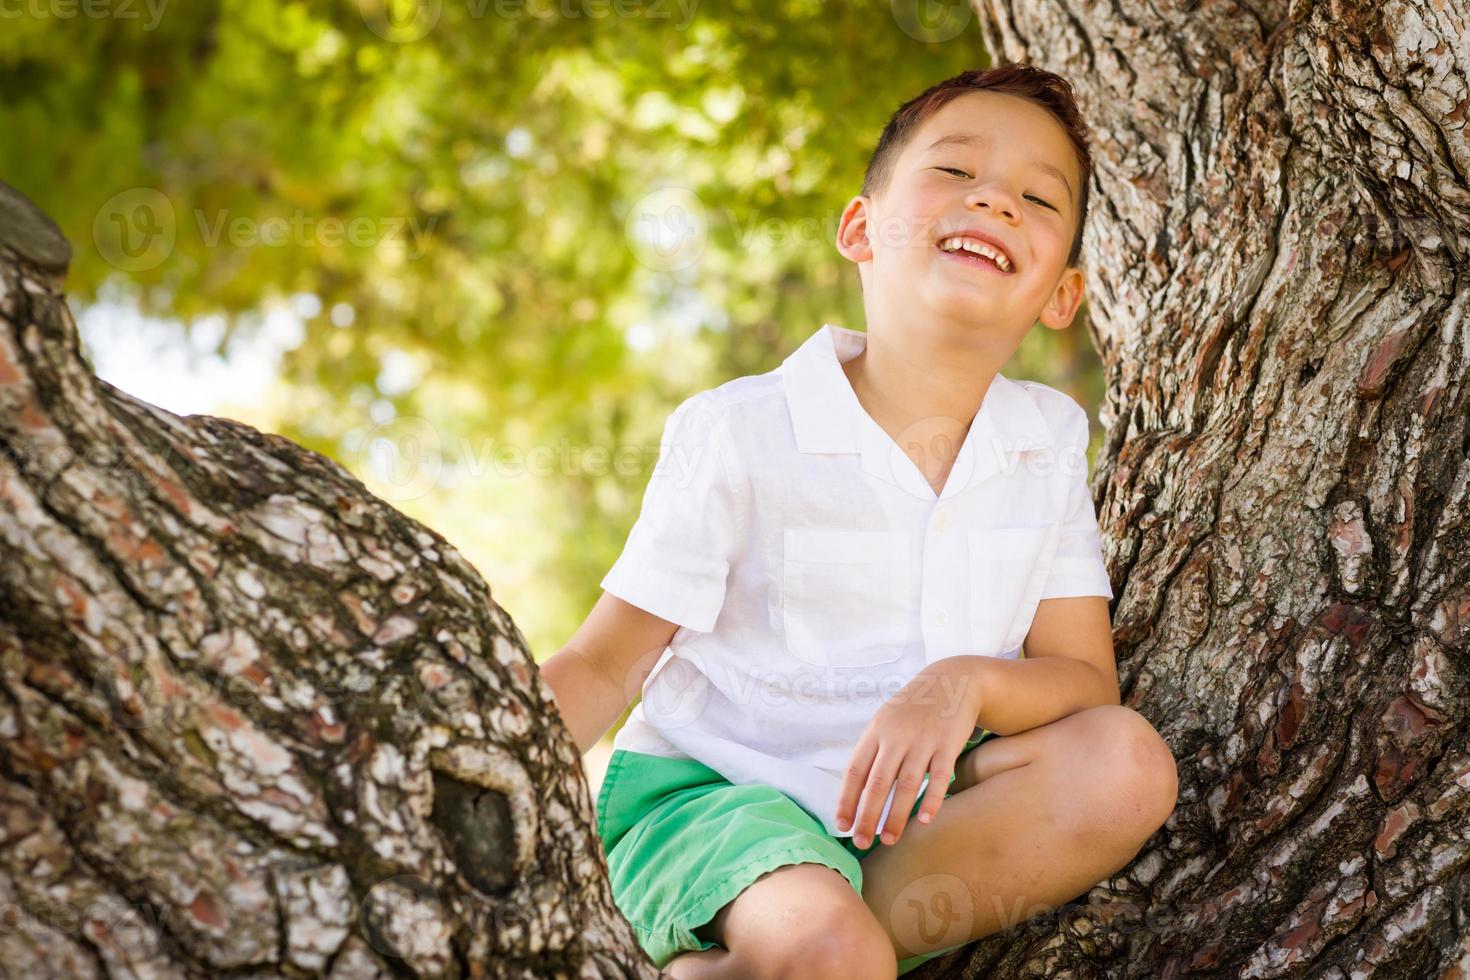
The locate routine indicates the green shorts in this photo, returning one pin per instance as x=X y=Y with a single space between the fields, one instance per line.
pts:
x=682 y=841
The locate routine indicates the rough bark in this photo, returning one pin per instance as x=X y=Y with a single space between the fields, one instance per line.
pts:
x=255 y=721
x=1278 y=288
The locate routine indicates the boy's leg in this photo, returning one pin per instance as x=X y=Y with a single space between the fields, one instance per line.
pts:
x=798 y=920
x=1046 y=814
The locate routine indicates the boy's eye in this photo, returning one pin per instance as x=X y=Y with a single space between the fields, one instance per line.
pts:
x=1029 y=197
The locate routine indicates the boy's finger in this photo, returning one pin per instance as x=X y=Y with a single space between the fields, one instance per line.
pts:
x=875 y=797
x=939 y=777
x=910 y=784
x=853 y=781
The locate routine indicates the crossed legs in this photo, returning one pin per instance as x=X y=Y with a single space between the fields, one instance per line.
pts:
x=1036 y=819
x=1040 y=817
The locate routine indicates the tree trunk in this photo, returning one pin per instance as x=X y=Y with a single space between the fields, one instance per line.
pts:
x=255 y=721
x=1278 y=288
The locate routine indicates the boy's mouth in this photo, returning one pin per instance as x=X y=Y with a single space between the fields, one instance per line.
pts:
x=973 y=252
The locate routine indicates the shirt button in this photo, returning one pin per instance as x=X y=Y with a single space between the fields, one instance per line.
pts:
x=939 y=617
x=941 y=522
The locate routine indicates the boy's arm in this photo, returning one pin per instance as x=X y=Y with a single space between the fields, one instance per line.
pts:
x=602 y=667
x=671 y=573
x=1068 y=665
x=1076 y=628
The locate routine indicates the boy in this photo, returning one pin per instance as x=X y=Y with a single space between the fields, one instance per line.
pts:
x=823 y=601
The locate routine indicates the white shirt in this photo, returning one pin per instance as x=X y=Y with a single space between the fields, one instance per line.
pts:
x=813 y=571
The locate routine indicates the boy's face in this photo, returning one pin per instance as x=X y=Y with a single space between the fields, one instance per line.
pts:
x=1000 y=186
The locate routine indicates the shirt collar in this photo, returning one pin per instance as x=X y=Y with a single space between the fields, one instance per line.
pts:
x=828 y=418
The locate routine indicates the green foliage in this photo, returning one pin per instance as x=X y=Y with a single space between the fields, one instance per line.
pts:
x=466 y=206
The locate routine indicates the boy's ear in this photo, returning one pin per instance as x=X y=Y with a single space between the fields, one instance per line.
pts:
x=1065 y=298
x=852 y=230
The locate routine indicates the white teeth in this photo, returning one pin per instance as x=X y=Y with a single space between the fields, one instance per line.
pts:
x=977 y=248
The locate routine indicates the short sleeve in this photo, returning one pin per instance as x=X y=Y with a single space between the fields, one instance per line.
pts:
x=679 y=550
x=1078 y=567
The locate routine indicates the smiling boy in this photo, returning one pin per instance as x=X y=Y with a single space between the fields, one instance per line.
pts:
x=828 y=606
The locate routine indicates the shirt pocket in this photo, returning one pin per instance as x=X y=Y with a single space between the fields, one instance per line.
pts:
x=1008 y=568
x=845 y=596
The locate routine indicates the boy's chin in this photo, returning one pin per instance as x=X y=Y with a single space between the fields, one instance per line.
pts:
x=953 y=298
x=945 y=297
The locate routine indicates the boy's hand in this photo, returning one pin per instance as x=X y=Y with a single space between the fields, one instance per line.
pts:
x=920 y=729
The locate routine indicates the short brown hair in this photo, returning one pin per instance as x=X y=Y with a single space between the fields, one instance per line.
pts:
x=1048 y=89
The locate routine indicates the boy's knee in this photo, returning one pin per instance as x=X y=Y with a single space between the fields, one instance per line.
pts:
x=850 y=949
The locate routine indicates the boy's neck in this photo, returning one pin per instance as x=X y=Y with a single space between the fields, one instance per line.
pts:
x=923 y=398
x=901 y=388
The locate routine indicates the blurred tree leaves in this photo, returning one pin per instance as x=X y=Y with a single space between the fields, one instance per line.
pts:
x=530 y=227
